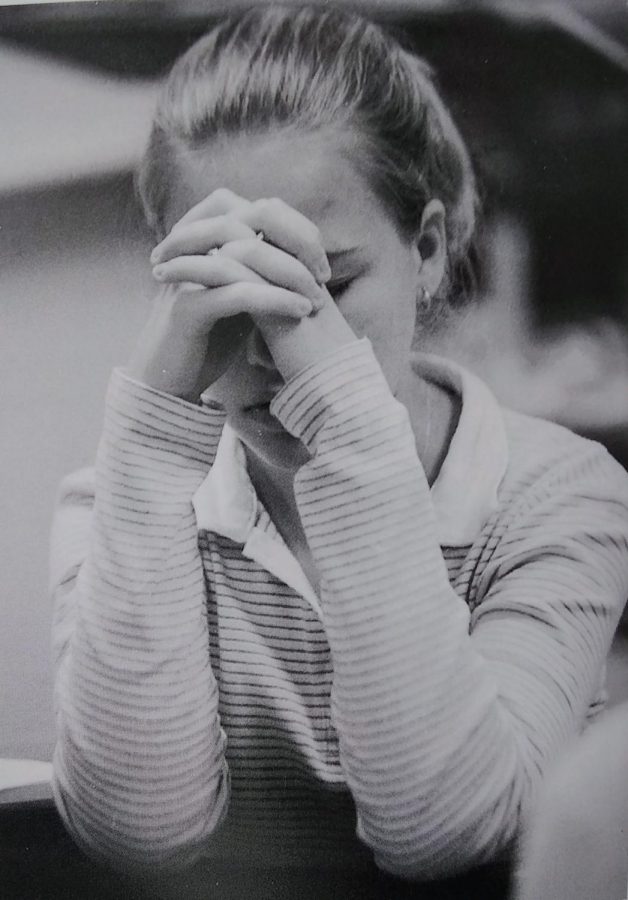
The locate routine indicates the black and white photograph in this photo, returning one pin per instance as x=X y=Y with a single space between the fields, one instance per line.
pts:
x=314 y=458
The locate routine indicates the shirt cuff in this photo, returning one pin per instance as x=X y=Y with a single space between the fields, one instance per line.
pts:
x=154 y=415
x=348 y=381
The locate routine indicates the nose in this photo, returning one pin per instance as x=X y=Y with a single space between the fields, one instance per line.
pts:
x=257 y=353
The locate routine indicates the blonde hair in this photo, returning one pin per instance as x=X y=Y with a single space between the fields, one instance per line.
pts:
x=313 y=68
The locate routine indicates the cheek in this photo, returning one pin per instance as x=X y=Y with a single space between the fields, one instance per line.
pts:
x=390 y=330
x=386 y=315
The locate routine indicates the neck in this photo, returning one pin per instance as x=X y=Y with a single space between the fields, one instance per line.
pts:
x=274 y=486
x=434 y=412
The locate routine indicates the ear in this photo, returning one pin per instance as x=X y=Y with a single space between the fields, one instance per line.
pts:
x=431 y=243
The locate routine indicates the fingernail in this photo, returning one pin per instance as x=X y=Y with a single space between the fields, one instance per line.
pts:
x=154 y=257
x=319 y=298
x=323 y=270
x=159 y=272
x=304 y=307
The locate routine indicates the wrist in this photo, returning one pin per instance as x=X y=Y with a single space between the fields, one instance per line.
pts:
x=158 y=421
x=168 y=359
x=167 y=375
x=295 y=345
x=340 y=382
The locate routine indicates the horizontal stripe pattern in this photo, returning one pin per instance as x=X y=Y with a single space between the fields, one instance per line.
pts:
x=131 y=640
x=195 y=689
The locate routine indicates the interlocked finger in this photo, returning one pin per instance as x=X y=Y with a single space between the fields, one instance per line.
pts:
x=276 y=266
x=259 y=300
x=250 y=260
x=282 y=226
x=290 y=230
x=201 y=236
x=209 y=271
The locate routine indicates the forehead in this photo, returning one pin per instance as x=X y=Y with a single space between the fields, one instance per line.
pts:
x=312 y=172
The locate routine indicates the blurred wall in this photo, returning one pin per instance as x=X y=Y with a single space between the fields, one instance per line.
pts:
x=75 y=289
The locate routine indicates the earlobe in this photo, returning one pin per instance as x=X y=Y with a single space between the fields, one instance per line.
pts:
x=424 y=302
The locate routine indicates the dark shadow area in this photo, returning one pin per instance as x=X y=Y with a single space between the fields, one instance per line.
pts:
x=39 y=861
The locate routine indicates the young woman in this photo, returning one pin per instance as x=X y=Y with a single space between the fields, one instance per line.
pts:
x=320 y=600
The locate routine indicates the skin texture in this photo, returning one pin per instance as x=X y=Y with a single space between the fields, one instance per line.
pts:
x=264 y=315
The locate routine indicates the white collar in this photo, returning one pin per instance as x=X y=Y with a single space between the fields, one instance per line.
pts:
x=464 y=493
x=226 y=503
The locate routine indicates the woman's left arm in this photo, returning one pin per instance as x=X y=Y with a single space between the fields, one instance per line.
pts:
x=444 y=735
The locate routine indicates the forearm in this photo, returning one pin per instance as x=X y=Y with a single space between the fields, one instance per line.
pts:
x=397 y=632
x=441 y=747
x=139 y=768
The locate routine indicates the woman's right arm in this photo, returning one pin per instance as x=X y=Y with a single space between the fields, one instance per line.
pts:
x=140 y=777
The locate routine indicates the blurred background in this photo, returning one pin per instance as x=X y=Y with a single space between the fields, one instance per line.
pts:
x=540 y=92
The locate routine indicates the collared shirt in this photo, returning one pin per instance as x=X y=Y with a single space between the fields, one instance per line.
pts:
x=463 y=495
x=208 y=701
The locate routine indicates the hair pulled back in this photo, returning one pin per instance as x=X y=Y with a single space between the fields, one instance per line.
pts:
x=314 y=68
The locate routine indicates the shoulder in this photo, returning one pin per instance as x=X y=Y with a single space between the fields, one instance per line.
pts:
x=506 y=470
x=562 y=508
x=544 y=457
x=556 y=545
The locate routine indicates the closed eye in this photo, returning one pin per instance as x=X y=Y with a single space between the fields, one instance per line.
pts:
x=336 y=288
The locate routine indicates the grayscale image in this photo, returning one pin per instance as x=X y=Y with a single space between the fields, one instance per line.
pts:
x=314 y=355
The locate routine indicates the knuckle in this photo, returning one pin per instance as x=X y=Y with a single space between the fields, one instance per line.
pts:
x=229 y=250
x=200 y=227
x=269 y=206
x=223 y=194
x=228 y=224
x=261 y=206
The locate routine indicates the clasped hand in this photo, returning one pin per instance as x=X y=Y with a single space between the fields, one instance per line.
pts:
x=228 y=265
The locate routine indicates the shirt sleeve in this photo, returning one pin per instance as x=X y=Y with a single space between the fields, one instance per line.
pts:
x=140 y=777
x=445 y=725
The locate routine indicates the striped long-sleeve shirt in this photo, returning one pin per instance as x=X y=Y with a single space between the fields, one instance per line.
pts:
x=208 y=701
